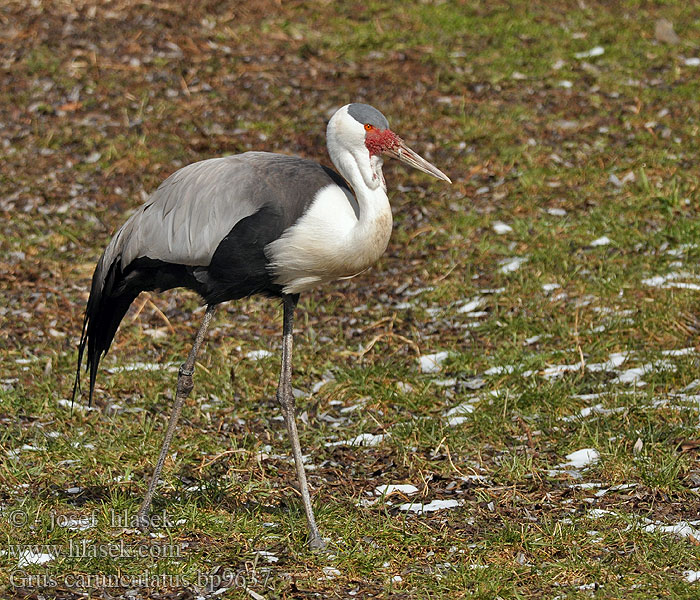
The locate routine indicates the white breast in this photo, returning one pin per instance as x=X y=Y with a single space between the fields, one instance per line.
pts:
x=329 y=242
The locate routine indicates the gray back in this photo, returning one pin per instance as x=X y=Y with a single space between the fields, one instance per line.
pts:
x=189 y=214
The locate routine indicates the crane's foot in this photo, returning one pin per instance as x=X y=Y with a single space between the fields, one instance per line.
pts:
x=317 y=543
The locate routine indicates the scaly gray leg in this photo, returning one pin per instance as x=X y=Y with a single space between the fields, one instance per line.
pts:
x=184 y=387
x=286 y=400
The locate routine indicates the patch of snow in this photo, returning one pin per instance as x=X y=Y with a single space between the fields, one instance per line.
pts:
x=457 y=415
x=268 y=556
x=692 y=62
x=615 y=360
x=157 y=333
x=556 y=212
x=418 y=291
x=635 y=374
x=432 y=363
x=474 y=383
x=258 y=354
x=655 y=281
x=419 y=508
x=615 y=488
x=692 y=385
x=595 y=51
x=367 y=439
x=550 y=287
x=509 y=265
x=669 y=281
x=364 y=439
x=401 y=488
x=682 y=250
x=558 y=370
x=319 y=384
x=679 y=352
x=501 y=228
x=599 y=513
x=29 y=557
x=601 y=241
x=463 y=409
x=500 y=370
x=352 y=408
x=582 y=458
x=681 y=529
x=69 y=404
x=589 y=485
x=593 y=410
x=691 y=576
x=445 y=382
x=366 y=502
x=685 y=286
x=471 y=305
x=142 y=366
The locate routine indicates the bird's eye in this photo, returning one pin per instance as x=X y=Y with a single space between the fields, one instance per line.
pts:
x=368 y=127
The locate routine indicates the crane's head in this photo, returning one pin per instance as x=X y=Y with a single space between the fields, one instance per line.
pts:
x=363 y=131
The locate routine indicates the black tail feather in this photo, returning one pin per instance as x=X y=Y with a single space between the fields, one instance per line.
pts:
x=81 y=350
x=110 y=298
x=112 y=292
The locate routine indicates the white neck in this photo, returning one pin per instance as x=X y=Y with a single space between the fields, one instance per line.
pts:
x=369 y=235
x=364 y=174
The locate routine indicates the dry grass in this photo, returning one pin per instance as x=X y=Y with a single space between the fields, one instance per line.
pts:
x=101 y=101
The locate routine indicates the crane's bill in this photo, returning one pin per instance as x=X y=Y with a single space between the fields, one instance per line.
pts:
x=408 y=156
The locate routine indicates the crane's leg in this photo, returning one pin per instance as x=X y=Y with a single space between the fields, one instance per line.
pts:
x=286 y=400
x=184 y=387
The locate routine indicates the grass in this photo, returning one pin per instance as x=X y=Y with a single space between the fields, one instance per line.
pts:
x=100 y=105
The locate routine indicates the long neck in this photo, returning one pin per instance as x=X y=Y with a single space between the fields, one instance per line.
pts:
x=369 y=235
x=364 y=174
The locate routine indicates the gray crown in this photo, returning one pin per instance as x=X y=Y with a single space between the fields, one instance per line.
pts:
x=364 y=113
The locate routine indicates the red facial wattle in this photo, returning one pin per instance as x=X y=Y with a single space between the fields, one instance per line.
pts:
x=384 y=141
x=380 y=140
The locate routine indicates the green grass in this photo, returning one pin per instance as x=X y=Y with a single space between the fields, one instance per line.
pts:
x=478 y=88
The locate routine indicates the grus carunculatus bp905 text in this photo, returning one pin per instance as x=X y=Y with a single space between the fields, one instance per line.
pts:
x=254 y=223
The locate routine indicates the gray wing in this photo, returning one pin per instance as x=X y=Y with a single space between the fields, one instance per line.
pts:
x=189 y=214
x=192 y=211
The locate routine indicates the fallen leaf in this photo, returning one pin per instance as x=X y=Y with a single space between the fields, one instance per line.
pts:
x=71 y=106
x=663 y=32
x=688 y=445
x=638 y=445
